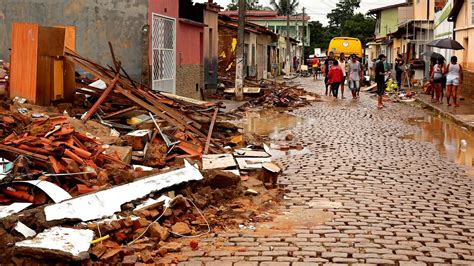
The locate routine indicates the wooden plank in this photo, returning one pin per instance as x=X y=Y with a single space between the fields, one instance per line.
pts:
x=69 y=80
x=101 y=99
x=70 y=38
x=58 y=80
x=51 y=41
x=44 y=83
x=211 y=128
x=24 y=59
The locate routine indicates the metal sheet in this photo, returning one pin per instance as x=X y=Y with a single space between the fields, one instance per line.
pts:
x=106 y=202
x=56 y=193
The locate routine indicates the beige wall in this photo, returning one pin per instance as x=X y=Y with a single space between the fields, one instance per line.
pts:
x=420 y=9
x=466 y=57
x=396 y=48
x=465 y=36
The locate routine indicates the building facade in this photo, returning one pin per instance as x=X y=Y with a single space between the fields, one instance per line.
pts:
x=260 y=49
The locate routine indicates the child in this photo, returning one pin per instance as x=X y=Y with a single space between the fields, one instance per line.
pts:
x=335 y=78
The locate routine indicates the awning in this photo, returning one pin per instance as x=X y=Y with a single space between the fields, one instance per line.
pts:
x=453 y=15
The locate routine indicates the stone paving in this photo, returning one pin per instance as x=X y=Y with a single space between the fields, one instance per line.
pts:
x=395 y=201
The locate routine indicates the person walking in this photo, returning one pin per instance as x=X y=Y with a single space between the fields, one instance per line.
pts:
x=380 y=79
x=454 y=78
x=335 y=78
x=398 y=69
x=343 y=65
x=437 y=79
x=315 y=67
x=356 y=74
x=327 y=66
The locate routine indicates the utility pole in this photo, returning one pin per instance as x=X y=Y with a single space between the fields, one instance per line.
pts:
x=303 y=39
x=239 y=71
x=288 y=45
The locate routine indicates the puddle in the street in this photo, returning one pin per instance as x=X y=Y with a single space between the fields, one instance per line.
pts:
x=452 y=141
x=269 y=122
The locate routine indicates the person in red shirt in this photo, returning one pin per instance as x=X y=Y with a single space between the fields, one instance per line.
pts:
x=315 y=66
x=335 y=78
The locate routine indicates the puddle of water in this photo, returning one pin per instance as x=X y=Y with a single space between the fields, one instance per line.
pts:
x=269 y=122
x=452 y=141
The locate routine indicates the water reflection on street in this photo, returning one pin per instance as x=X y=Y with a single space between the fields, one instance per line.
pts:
x=452 y=141
x=269 y=122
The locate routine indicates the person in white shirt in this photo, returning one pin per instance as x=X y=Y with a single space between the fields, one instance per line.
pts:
x=454 y=78
x=356 y=74
x=342 y=64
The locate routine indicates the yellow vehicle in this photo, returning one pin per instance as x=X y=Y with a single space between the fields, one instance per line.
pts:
x=346 y=45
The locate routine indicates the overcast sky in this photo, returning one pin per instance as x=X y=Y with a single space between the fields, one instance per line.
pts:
x=318 y=9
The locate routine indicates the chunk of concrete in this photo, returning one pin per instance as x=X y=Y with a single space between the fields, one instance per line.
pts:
x=58 y=243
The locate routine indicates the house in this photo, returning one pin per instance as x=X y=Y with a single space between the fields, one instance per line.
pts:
x=180 y=38
x=386 y=42
x=463 y=31
x=123 y=23
x=405 y=29
x=260 y=48
x=170 y=45
x=463 y=22
x=278 y=24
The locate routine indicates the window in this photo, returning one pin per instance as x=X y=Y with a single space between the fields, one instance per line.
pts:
x=472 y=12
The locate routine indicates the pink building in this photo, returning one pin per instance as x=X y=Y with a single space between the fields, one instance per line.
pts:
x=183 y=46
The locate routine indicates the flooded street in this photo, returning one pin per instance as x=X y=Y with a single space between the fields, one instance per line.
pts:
x=269 y=122
x=453 y=142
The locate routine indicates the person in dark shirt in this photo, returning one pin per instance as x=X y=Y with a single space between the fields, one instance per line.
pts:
x=327 y=66
x=398 y=69
x=380 y=79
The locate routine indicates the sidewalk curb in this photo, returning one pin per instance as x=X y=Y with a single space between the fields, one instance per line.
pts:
x=445 y=114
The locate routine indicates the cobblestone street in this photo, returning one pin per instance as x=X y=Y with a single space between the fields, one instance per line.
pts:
x=382 y=199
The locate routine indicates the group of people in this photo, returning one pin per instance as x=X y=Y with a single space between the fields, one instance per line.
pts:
x=337 y=71
x=448 y=77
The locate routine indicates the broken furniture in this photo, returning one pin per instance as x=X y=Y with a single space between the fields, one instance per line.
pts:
x=39 y=71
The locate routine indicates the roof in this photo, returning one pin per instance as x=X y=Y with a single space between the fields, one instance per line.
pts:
x=263 y=15
x=376 y=10
x=249 y=26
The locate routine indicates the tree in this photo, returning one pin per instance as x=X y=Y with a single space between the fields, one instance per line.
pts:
x=320 y=36
x=288 y=8
x=359 y=26
x=285 y=7
x=344 y=11
x=250 y=5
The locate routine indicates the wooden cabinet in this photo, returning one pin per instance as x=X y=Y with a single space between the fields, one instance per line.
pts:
x=39 y=72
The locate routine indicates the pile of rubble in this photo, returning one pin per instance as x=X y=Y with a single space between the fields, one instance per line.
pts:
x=135 y=169
x=268 y=93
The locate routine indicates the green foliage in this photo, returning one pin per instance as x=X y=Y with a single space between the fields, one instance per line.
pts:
x=320 y=37
x=359 y=26
x=285 y=7
x=250 y=4
x=344 y=10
